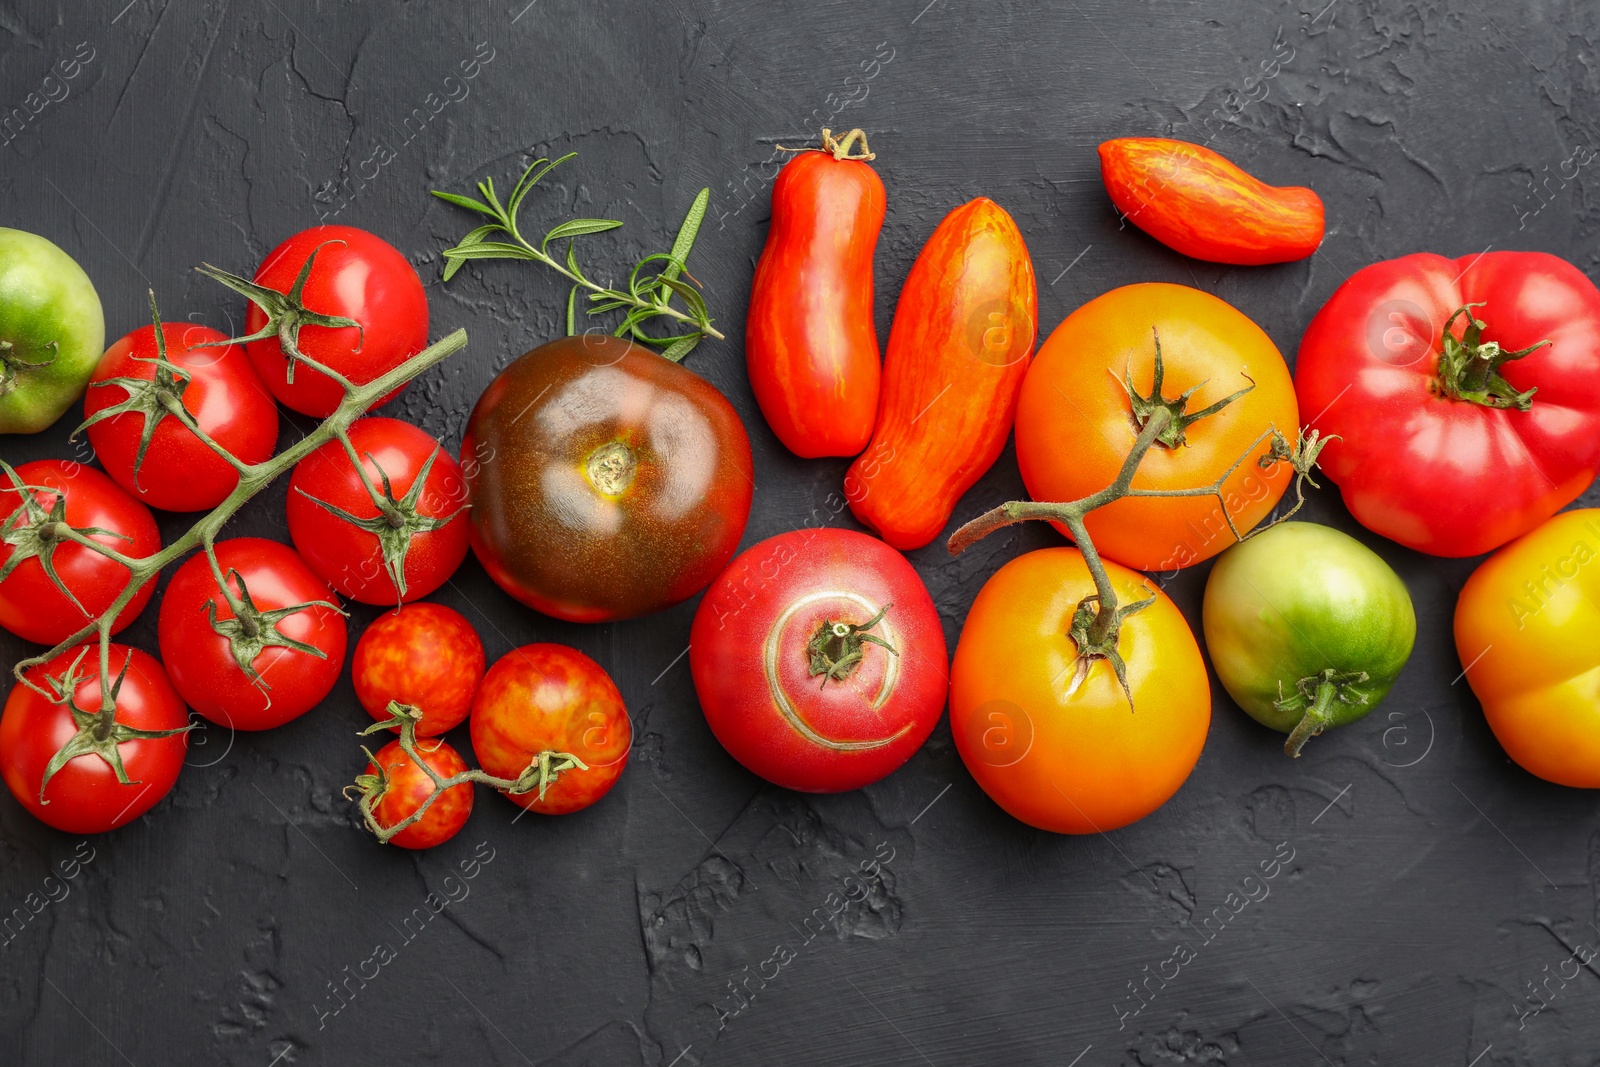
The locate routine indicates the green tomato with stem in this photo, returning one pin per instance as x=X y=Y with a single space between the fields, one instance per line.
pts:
x=52 y=331
x=1307 y=628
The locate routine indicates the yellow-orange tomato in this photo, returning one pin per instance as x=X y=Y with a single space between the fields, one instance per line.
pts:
x=1075 y=760
x=1525 y=630
x=1075 y=423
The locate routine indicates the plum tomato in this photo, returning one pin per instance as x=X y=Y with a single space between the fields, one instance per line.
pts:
x=424 y=655
x=552 y=705
x=407 y=787
x=267 y=650
x=819 y=660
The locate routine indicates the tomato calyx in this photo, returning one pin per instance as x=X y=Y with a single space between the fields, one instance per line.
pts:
x=1469 y=367
x=286 y=314
x=1315 y=694
x=99 y=733
x=1180 y=418
x=1095 y=628
x=397 y=520
x=835 y=648
x=35 y=532
x=252 y=631
x=11 y=366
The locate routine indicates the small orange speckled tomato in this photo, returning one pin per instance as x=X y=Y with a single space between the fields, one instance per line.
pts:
x=552 y=705
x=1525 y=629
x=1059 y=749
x=1076 y=421
x=424 y=655
x=409 y=787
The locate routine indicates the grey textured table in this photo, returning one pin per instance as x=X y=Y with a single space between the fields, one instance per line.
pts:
x=678 y=921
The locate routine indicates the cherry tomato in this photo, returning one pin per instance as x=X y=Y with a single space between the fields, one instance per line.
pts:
x=68 y=495
x=84 y=795
x=1063 y=751
x=1458 y=427
x=354 y=275
x=606 y=482
x=415 y=530
x=424 y=655
x=409 y=787
x=551 y=699
x=146 y=448
x=787 y=662
x=295 y=652
x=1076 y=422
x=810 y=343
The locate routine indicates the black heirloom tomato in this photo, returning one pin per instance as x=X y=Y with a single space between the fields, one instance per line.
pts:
x=606 y=482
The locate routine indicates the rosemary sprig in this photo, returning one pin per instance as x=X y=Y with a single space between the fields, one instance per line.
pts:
x=650 y=288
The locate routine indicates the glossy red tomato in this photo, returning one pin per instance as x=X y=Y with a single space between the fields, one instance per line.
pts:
x=416 y=530
x=354 y=275
x=424 y=655
x=59 y=494
x=295 y=652
x=551 y=701
x=409 y=787
x=146 y=448
x=84 y=795
x=788 y=664
x=1457 y=427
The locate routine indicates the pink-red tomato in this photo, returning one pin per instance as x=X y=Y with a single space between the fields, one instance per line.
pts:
x=423 y=539
x=409 y=788
x=425 y=655
x=791 y=676
x=31 y=605
x=356 y=276
x=551 y=699
x=218 y=386
x=84 y=796
x=266 y=577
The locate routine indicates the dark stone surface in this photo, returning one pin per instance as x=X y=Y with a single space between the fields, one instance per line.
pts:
x=1432 y=880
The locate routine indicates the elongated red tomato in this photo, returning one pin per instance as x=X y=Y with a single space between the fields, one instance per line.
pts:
x=810 y=344
x=1196 y=202
x=1464 y=394
x=148 y=449
x=958 y=352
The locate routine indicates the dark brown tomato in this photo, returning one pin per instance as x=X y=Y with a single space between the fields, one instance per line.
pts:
x=606 y=482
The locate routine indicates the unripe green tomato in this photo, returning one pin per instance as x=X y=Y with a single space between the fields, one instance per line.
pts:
x=52 y=331
x=1307 y=628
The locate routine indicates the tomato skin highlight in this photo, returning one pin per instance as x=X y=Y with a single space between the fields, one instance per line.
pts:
x=425 y=655
x=1445 y=476
x=1298 y=599
x=1196 y=202
x=1079 y=762
x=810 y=344
x=224 y=394
x=200 y=662
x=1525 y=627
x=749 y=658
x=30 y=604
x=409 y=787
x=351 y=559
x=606 y=482
x=958 y=351
x=548 y=697
x=357 y=275
x=1074 y=429
x=84 y=796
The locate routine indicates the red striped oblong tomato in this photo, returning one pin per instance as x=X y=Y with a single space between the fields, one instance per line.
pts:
x=819 y=660
x=810 y=344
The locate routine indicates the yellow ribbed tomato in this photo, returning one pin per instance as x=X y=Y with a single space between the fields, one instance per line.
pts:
x=1525 y=630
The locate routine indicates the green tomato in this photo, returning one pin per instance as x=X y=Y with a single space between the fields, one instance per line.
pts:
x=52 y=331
x=1307 y=627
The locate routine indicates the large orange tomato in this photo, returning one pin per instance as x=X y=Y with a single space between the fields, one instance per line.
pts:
x=1076 y=422
x=1061 y=752
x=1525 y=629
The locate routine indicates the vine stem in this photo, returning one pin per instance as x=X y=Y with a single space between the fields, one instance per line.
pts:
x=252 y=479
